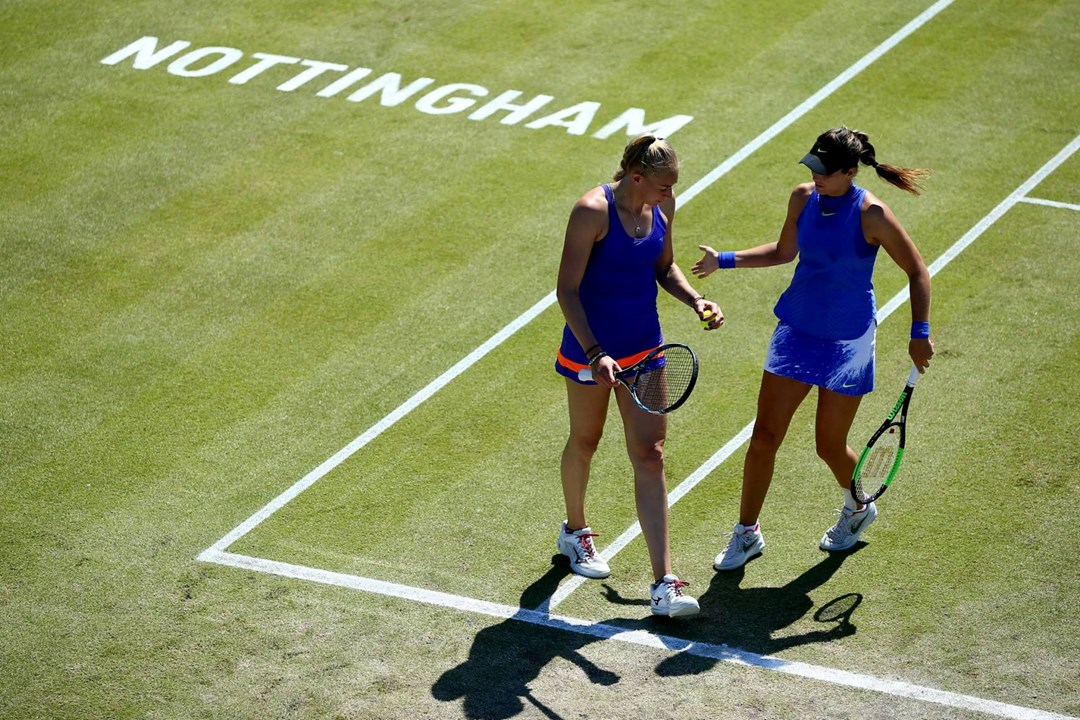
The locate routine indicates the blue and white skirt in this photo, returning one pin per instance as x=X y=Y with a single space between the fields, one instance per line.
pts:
x=843 y=366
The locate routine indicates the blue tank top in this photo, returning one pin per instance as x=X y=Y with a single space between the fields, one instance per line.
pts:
x=831 y=295
x=618 y=289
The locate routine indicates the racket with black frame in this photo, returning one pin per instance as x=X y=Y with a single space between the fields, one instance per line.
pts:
x=661 y=381
x=880 y=460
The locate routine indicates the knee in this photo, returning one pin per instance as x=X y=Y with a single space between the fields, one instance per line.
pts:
x=831 y=452
x=765 y=440
x=584 y=444
x=648 y=457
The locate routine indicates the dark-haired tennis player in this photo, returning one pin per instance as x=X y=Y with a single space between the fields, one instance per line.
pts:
x=827 y=324
x=617 y=249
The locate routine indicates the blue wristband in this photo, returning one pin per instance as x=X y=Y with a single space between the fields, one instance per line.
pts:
x=920 y=330
x=726 y=260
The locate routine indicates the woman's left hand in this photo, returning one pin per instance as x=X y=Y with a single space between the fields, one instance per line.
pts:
x=709 y=313
x=921 y=350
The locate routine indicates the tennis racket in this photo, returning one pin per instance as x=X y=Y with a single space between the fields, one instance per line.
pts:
x=661 y=381
x=880 y=460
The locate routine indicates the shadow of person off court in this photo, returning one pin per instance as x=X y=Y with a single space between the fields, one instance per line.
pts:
x=504 y=658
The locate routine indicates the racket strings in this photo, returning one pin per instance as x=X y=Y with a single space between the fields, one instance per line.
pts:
x=878 y=465
x=665 y=381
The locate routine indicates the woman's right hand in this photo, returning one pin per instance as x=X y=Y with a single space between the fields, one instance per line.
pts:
x=707 y=265
x=604 y=370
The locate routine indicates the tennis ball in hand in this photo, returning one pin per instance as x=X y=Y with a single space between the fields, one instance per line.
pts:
x=707 y=319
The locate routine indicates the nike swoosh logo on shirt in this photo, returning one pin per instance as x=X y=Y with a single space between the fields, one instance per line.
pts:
x=827 y=214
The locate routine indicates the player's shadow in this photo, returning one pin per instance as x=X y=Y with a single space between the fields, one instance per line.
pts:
x=754 y=618
x=505 y=658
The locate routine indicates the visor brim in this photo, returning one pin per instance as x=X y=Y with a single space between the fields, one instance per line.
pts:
x=813 y=162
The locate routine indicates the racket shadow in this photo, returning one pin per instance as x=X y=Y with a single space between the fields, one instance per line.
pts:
x=755 y=618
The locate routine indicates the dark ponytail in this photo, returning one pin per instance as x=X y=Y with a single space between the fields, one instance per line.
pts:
x=907 y=179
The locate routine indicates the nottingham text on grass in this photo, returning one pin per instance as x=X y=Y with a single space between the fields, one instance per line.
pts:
x=445 y=99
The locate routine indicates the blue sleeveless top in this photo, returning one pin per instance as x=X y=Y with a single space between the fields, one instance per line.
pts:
x=618 y=291
x=831 y=295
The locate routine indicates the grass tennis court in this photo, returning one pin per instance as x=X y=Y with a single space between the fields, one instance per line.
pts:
x=280 y=432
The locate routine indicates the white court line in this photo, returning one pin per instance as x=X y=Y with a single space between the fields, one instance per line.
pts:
x=378 y=428
x=1051 y=203
x=643 y=638
x=438 y=383
x=812 y=101
x=1017 y=195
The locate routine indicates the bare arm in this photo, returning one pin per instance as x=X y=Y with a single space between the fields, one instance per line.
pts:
x=784 y=250
x=670 y=276
x=587 y=224
x=882 y=228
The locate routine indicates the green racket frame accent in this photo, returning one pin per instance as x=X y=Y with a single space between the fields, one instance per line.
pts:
x=900 y=407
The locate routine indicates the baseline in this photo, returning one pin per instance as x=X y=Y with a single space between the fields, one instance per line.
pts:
x=642 y=638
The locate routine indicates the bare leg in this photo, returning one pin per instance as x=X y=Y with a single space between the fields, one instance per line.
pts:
x=835 y=413
x=588 y=406
x=778 y=400
x=645 y=436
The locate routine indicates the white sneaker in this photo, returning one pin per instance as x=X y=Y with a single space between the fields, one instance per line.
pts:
x=578 y=546
x=845 y=533
x=668 y=598
x=745 y=543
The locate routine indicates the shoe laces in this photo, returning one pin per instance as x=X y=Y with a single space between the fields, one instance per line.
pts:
x=675 y=587
x=739 y=540
x=586 y=544
x=842 y=528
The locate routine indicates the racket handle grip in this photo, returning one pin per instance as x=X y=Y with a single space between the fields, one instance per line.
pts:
x=585 y=374
x=913 y=377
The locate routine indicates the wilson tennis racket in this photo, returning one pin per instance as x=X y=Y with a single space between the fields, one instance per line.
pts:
x=880 y=460
x=661 y=381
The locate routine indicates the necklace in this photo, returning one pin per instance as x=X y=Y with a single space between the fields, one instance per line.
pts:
x=638 y=233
